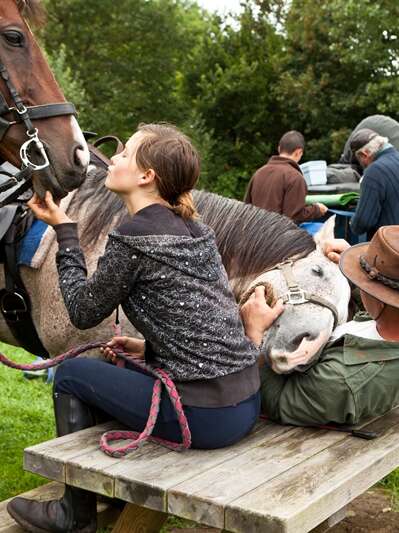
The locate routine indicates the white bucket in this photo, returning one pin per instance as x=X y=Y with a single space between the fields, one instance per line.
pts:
x=315 y=172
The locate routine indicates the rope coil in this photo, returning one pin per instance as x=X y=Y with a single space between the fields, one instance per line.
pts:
x=270 y=297
x=162 y=378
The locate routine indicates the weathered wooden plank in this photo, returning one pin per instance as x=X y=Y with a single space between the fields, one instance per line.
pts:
x=48 y=458
x=135 y=519
x=302 y=497
x=76 y=459
x=95 y=471
x=203 y=498
x=146 y=482
x=92 y=470
x=333 y=520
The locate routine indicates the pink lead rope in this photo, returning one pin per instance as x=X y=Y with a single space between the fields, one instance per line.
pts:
x=137 y=439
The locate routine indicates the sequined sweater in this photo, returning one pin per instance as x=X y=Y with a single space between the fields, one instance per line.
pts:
x=175 y=291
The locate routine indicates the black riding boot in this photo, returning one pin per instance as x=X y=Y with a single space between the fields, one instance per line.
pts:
x=76 y=511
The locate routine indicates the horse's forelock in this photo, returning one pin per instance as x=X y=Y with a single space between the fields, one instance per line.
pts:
x=33 y=11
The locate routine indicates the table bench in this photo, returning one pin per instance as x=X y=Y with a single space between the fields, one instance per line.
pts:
x=278 y=479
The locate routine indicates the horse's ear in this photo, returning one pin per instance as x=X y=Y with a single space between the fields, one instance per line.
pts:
x=326 y=232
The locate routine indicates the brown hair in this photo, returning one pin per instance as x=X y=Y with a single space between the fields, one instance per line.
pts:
x=176 y=163
x=290 y=141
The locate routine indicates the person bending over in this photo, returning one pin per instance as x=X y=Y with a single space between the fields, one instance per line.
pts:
x=280 y=186
x=379 y=187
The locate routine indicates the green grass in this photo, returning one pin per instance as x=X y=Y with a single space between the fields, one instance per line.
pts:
x=27 y=418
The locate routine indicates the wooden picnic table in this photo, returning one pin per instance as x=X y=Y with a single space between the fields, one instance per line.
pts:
x=278 y=479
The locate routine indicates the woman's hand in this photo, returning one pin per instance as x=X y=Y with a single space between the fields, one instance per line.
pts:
x=47 y=210
x=334 y=248
x=131 y=345
x=257 y=316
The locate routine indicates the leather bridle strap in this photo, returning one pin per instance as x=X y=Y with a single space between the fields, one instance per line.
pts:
x=25 y=115
x=37 y=112
x=19 y=105
x=296 y=295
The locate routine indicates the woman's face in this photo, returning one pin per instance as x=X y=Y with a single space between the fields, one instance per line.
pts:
x=124 y=174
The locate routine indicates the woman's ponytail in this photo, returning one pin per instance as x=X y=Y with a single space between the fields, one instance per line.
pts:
x=184 y=206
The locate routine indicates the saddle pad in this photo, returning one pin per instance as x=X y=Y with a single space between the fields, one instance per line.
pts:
x=31 y=242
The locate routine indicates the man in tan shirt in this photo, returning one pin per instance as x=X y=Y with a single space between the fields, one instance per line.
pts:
x=280 y=186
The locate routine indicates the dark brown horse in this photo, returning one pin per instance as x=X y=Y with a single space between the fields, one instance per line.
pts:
x=24 y=69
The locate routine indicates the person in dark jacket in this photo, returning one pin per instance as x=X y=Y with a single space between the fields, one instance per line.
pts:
x=163 y=267
x=379 y=187
x=280 y=186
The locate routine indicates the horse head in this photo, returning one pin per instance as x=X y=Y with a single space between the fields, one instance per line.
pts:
x=25 y=69
x=316 y=298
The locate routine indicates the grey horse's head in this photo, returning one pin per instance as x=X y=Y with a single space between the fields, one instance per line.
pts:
x=302 y=330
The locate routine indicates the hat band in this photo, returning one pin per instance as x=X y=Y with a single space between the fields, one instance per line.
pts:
x=375 y=275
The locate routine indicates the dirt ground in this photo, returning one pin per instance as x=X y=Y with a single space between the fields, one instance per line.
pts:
x=371 y=512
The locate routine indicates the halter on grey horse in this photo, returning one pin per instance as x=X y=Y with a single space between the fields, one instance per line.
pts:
x=316 y=297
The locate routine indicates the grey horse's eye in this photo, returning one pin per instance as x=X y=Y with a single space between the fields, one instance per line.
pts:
x=316 y=269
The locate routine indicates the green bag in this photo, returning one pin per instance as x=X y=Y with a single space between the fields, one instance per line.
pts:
x=341 y=200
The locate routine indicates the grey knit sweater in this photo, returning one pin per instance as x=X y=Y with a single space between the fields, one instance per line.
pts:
x=175 y=291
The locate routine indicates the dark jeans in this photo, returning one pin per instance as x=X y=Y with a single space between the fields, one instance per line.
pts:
x=125 y=394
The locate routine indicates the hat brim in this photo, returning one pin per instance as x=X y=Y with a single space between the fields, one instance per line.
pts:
x=350 y=267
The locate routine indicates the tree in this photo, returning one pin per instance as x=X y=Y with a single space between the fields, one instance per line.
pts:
x=128 y=56
x=340 y=65
x=229 y=85
x=233 y=84
x=71 y=85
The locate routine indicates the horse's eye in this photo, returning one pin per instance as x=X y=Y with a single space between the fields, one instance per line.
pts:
x=14 y=38
x=316 y=269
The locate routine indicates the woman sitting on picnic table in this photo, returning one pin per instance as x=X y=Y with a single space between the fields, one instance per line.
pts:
x=163 y=267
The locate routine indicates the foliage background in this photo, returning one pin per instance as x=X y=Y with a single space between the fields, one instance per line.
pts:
x=235 y=84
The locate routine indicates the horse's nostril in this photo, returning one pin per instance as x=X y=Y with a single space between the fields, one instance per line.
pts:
x=296 y=341
x=80 y=158
x=76 y=157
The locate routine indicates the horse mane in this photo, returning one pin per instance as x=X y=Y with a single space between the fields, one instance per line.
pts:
x=240 y=229
x=250 y=240
x=102 y=209
x=32 y=10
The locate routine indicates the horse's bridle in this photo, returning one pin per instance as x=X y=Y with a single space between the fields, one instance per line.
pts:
x=297 y=296
x=24 y=114
x=14 y=299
